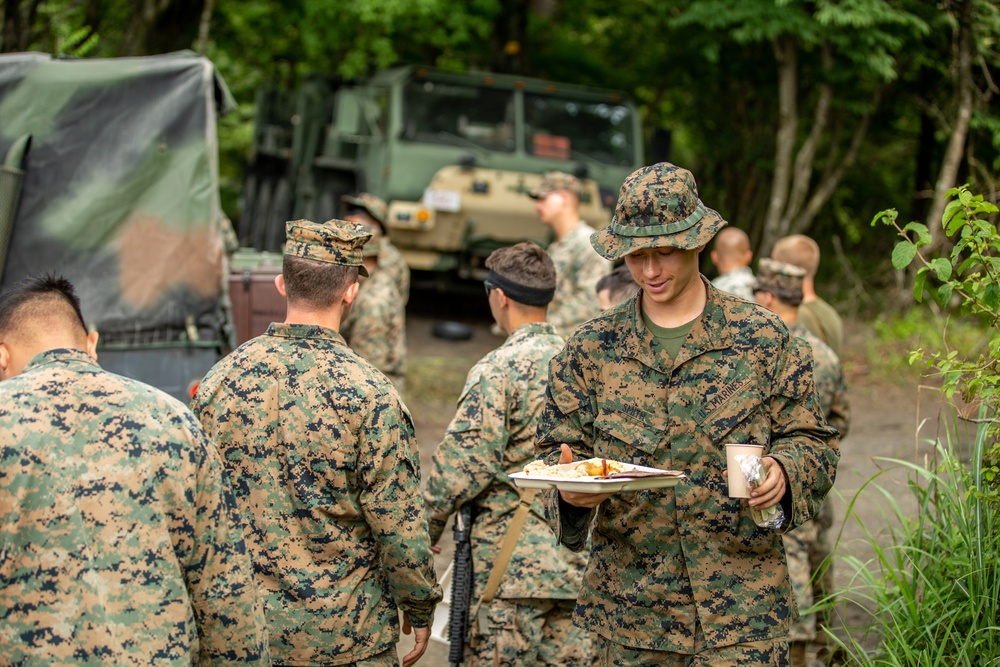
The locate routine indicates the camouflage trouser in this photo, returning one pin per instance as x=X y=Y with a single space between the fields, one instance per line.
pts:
x=523 y=632
x=821 y=564
x=387 y=658
x=770 y=653
x=797 y=543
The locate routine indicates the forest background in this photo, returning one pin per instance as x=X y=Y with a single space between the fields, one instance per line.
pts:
x=794 y=116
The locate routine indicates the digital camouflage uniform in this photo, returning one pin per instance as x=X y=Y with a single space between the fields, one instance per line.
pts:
x=739 y=281
x=832 y=392
x=578 y=268
x=808 y=546
x=491 y=435
x=323 y=461
x=684 y=569
x=121 y=544
x=375 y=327
x=390 y=259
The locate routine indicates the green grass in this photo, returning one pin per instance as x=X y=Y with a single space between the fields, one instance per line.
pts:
x=932 y=588
x=890 y=337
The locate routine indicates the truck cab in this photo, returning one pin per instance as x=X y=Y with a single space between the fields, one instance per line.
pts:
x=453 y=154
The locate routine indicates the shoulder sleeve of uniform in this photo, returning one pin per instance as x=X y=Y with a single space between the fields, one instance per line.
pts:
x=801 y=440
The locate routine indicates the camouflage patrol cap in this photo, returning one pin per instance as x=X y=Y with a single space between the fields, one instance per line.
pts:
x=375 y=206
x=333 y=241
x=780 y=278
x=554 y=181
x=658 y=207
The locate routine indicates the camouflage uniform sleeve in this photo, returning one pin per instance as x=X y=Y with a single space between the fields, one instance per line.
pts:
x=389 y=476
x=567 y=417
x=217 y=568
x=801 y=440
x=472 y=453
x=832 y=392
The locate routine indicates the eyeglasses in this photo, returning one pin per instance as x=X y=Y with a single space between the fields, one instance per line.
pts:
x=489 y=287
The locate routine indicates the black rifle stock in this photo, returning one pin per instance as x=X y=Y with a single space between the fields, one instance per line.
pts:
x=461 y=586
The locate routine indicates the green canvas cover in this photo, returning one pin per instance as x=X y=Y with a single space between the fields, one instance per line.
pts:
x=120 y=188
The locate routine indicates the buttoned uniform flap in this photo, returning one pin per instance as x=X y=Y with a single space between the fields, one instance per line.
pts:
x=622 y=430
x=736 y=413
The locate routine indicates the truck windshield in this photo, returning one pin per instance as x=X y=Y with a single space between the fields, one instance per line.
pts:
x=566 y=129
x=458 y=115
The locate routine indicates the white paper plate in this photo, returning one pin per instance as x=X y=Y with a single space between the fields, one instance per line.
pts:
x=592 y=485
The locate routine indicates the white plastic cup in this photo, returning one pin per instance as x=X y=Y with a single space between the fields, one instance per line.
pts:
x=737 y=482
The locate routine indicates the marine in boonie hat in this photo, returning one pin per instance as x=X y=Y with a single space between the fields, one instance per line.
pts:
x=554 y=181
x=374 y=245
x=658 y=207
x=781 y=279
x=374 y=206
x=333 y=241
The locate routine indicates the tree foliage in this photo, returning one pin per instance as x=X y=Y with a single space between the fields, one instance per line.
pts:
x=794 y=115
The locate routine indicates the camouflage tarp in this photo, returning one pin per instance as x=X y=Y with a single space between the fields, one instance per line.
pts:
x=120 y=190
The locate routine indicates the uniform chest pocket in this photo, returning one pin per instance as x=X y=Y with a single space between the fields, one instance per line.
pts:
x=739 y=413
x=631 y=436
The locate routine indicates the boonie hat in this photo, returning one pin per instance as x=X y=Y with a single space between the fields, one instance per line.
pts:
x=375 y=206
x=658 y=207
x=780 y=278
x=333 y=241
x=554 y=181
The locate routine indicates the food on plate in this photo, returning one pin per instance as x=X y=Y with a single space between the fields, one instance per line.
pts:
x=587 y=468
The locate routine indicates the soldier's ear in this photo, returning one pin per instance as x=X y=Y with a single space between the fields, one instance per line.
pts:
x=4 y=360
x=351 y=293
x=279 y=282
x=91 y=347
x=504 y=301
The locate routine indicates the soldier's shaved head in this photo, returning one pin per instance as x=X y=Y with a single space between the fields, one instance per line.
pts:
x=45 y=303
x=40 y=314
x=799 y=250
x=731 y=250
x=732 y=243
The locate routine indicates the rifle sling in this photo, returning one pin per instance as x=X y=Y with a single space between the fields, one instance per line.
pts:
x=507 y=547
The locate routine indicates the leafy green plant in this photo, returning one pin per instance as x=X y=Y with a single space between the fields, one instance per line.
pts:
x=933 y=586
x=969 y=275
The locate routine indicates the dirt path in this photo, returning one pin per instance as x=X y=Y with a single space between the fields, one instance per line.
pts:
x=884 y=425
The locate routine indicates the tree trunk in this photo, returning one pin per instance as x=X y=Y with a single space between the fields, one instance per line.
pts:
x=956 y=144
x=19 y=29
x=205 y=25
x=802 y=175
x=785 y=54
x=832 y=177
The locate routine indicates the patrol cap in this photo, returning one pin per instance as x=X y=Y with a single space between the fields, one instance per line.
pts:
x=375 y=206
x=780 y=278
x=554 y=181
x=658 y=207
x=333 y=241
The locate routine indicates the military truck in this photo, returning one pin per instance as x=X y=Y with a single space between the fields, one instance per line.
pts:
x=110 y=178
x=453 y=154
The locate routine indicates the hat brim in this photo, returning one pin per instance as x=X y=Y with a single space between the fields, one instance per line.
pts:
x=613 y=246
x=349 y=200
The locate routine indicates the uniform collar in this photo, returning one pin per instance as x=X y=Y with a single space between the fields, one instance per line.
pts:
x=282 y=330
x=531 y=329
x=67 y=356
x=710 y=331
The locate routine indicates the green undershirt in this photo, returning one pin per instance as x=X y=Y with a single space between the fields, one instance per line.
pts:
x=670 y=339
